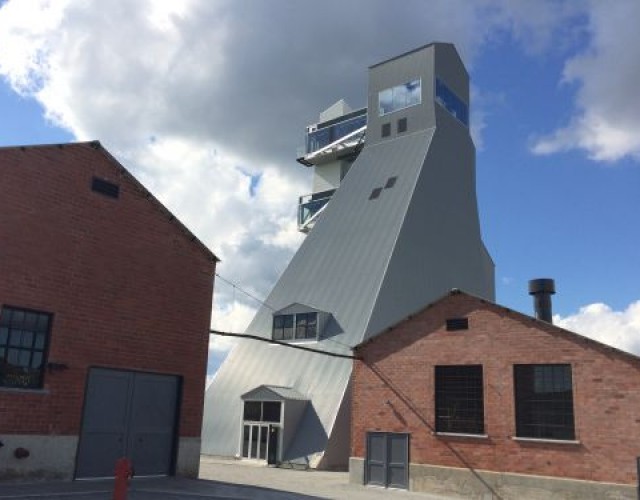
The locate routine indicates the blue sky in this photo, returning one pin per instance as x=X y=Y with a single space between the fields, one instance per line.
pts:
x=206 y=103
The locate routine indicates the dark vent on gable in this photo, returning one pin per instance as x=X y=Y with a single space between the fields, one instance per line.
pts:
x=375 y=193
x=402 y=125
x=386 y=129
x=391 y=181
x=105 y=187
x=457 y=324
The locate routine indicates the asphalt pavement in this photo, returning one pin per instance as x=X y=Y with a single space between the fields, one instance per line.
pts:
x=219 y=480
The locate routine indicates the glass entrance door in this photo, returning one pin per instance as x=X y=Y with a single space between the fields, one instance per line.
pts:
x=255 y=439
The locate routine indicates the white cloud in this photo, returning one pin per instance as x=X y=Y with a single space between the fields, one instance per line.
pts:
x=619 y=329
x=606 y=120
x=196 y=97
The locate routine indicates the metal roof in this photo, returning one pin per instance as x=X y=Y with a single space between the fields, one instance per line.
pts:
x=368 y=262
x=274 y=392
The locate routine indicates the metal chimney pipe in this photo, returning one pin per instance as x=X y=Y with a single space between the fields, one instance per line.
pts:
x=542 y=289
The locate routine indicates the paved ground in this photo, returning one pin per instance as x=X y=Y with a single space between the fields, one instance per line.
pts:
x=219 y=480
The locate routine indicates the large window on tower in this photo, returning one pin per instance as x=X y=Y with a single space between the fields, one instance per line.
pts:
x=544 y=401
x=451 y=102
x=459 y=399
x=400 y=97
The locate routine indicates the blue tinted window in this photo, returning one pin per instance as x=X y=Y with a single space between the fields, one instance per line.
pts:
x=451 y=102
x=326 y=135
x=400 y=97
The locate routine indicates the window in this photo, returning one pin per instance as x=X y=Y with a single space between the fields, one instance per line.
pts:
x=386 y=130
x=454 y=324
x=24 y=336
x=459 y=399
x=400 y=97
x=105 y=187
x=332 y=130
x=306 y=326
x=262 y=411
x=544 y=401
x=402 y=125
x=451 y=102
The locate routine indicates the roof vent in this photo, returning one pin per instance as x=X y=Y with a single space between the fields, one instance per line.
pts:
x=542 y=289
x=454 y=324
x=105 y=187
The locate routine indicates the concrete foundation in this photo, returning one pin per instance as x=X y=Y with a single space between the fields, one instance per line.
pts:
x=485 y=485
x=50 y=457
x=188 y=461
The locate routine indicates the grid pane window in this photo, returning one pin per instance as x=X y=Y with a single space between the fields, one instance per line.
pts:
x=23 y=342
x=262 y=411
x=544 y=401
x=459 y=399
x=306 y=326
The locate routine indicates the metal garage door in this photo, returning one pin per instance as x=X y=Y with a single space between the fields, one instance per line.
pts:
x=387 y=459
x=128 y=414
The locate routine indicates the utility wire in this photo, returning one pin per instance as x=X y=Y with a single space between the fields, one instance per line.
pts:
x=286 y=344
x=235 y=285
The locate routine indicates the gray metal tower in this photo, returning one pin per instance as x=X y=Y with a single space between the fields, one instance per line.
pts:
x=396 y=232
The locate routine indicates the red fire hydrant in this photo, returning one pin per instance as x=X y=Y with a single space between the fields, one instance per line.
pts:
x=124 y=472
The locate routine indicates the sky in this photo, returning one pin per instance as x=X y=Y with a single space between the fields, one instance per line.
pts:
x=205 y=102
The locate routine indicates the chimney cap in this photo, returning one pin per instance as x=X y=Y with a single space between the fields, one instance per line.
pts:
x=542 y=285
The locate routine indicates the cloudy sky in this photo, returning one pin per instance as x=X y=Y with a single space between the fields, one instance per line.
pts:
x=206 y=101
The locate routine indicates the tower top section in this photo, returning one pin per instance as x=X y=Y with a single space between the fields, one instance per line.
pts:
x=406 y=91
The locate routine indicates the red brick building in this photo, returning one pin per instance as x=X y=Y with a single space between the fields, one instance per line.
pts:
x=469 y=397
x=105 y=305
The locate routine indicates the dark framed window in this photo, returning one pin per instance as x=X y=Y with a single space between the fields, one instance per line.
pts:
x=386 y=130
x=262 y=411
x=24 y=338
x=306 y=326
x=544 y=401
x=454 y=324
x=402 y=125
x=459 y=399
x=105 y=187
x=283 y=327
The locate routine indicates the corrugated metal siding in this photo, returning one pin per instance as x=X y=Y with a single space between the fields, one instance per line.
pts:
x=364 y=262
x=338 y=269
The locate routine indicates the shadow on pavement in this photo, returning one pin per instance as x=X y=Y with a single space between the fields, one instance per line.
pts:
x=144 y=489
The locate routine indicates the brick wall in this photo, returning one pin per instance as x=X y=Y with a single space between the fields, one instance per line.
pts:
x=393 y=391
x=126 y=285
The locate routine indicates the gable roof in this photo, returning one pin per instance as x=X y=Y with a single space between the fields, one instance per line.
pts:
x=271 y=392
x=96 y=146
x=549 y=327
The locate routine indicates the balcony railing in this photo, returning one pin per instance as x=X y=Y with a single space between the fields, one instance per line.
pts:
x=310 y=206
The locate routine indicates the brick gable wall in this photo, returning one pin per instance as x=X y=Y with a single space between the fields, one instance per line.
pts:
x=393 y=391
x=126 y=286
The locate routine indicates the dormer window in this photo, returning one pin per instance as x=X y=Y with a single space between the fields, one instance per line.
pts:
x=306 y=326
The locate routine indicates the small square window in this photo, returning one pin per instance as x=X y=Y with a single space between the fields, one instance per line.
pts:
x=386 y=129
x=391 y=181
x=375 y=193
x=402 y=125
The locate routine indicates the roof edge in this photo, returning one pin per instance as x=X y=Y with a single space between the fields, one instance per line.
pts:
x=97 y=145
x=568 y=333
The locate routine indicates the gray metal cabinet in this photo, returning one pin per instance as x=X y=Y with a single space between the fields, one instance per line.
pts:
x=128 y=414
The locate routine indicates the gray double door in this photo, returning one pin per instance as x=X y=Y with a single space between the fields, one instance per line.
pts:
x=128 y=414
x=387 y=461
